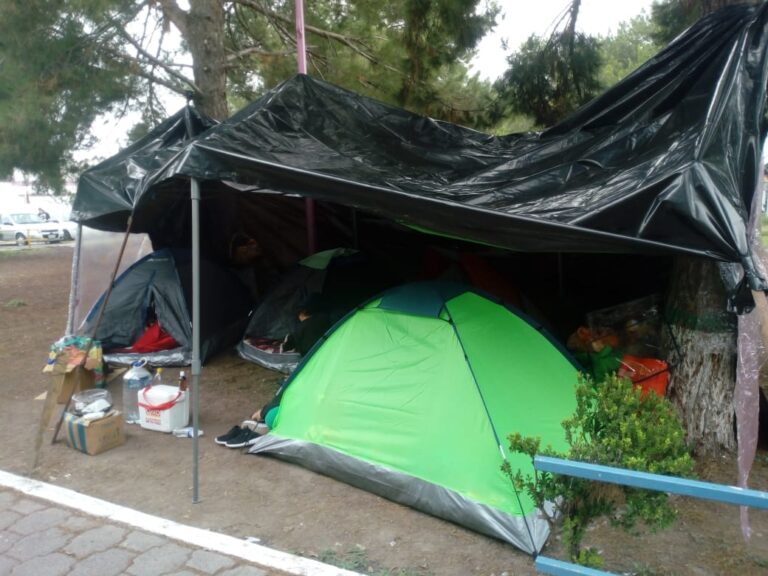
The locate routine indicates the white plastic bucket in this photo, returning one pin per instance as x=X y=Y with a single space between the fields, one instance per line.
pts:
x=163 y=408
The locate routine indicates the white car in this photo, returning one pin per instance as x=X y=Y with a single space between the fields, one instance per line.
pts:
x=24 y=227
x=68 y=228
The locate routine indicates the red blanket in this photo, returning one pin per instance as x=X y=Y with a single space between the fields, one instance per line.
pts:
x=154 y=339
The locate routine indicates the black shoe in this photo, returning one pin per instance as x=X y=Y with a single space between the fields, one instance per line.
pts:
x=245 y=438
x=224 y=438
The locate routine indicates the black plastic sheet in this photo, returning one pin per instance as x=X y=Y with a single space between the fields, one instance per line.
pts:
x=111 y=188
x=666 y=161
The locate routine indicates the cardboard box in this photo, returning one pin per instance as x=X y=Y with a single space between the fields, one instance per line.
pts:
x=66 y=382
x=94 y=436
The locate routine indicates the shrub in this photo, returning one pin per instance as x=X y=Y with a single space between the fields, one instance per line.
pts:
x=613 y=426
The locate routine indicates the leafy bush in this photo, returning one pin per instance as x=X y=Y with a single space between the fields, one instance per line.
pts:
x=613 y=426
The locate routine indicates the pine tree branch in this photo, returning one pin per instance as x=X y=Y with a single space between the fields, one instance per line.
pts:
x=255 y=51
x=157 y=62
x=571 y=27
x=354 y=44
x=178 y=89
x=176 y=15
x=137 y=67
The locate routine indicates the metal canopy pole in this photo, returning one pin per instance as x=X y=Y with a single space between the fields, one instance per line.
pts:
x=301 y=45
x=301 y=61
x=195 y=381
x=74 y=287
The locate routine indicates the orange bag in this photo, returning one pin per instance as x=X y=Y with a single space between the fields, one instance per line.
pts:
x=645 y=373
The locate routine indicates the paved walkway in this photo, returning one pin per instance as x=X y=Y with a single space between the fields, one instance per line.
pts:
x=50 y=536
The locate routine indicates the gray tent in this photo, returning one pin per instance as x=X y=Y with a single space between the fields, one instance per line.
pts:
x=333 y=282
x=160 y=285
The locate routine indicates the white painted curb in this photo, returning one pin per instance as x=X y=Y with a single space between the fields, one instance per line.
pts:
x=214 y=541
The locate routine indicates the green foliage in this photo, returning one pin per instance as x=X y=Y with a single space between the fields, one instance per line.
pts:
x=138 y=131
x=53 y=82
x=65 y=62
x=411 y=53
x=513 y=124
x=612 y=425
x=589 y=557
x=672 y=17
x=547 y=79
x=435 y=35
x=623 y=52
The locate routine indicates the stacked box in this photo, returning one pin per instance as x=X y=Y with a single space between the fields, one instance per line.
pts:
x=94 y=436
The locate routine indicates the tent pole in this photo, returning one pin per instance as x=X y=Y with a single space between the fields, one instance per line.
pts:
x=301 y=61
x=309 y=208
x=195 y=381
x=74 y=287
x=301 y=47
x=761 y=306
x=355 y=240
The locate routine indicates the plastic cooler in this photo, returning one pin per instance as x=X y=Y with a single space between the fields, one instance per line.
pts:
x=163 y=408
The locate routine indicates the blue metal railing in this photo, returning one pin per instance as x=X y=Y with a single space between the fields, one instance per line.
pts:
x=658 y=482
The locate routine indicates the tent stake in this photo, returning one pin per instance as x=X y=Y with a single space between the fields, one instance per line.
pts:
x=195 y=382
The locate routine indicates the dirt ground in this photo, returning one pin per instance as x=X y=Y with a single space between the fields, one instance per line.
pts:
x=283 y=505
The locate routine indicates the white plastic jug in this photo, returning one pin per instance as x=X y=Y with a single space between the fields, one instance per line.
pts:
x=133 y=381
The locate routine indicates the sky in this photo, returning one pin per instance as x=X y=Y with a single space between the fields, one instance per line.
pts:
x=518 y=20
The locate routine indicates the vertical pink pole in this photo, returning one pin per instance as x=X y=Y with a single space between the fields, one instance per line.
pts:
x=301 y=60
x=301 y=46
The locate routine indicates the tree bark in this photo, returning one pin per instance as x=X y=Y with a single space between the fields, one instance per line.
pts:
x=703 y=377
x=205 y=38
x=702 y=384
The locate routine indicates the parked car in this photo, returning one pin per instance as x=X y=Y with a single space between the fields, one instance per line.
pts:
x=24 y=227
x=68 y=228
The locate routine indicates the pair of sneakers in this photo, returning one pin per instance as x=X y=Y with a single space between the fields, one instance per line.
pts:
x=242 y=435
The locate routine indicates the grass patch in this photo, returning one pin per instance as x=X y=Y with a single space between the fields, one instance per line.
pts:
x=643 y=570
x=357 y=560
x=11 y=253
x=14 y=303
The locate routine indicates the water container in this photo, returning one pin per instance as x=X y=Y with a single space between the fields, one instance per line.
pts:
x=133 y=381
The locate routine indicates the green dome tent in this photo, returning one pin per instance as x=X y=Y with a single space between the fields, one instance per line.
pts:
x=412 y=396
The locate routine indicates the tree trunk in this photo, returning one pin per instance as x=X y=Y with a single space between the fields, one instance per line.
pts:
x=205 y=38
x=703 y=378
x=702 y=384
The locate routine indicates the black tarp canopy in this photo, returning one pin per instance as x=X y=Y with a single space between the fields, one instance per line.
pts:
x=666 y=161
x=112 y=187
